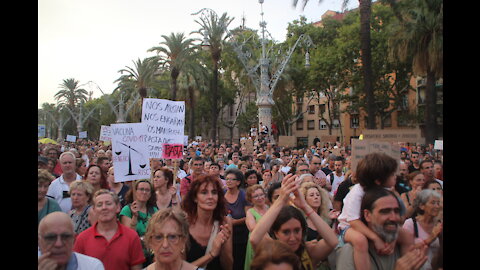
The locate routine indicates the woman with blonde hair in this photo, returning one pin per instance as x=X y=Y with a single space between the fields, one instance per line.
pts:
x=81 y=193
x=318 y=199
x=167 y=238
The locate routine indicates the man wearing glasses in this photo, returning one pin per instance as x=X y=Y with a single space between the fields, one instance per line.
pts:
x=55 y=240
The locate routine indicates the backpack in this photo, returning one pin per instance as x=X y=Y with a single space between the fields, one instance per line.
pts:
x=332 y=177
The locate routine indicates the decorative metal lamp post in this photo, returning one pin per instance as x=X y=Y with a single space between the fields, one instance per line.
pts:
x=264 y=84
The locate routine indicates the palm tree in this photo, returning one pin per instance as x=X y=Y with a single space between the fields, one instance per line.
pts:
x=216 y=33
x=140 y=77
x=366 y=55
x=420 y=35
x=70 y=93
x=174 y=55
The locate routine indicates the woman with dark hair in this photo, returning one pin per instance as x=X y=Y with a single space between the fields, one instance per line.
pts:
x=287 y=224
x=252 y=177
x=165 y=190
x=237 y=206
x=210 y=230
x=141 y=206
x=95 y=177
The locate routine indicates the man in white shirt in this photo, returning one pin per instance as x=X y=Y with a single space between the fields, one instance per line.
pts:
x=59 y=188
x=338 y=176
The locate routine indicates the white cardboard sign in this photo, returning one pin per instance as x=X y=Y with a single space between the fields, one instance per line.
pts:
x=165 y=122
x=130 y=155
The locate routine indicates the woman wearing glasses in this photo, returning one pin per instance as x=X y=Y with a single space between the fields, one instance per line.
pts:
x=167 y=237
x=140 y=208
x=256 y=196
x=237 y=206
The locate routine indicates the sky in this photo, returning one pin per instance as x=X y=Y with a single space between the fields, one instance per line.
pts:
x=91 y=40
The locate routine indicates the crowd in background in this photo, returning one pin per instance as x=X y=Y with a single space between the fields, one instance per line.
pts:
x=206 y=211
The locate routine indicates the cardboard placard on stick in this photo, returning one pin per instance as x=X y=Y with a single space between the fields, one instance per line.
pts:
x=361 y=148
x=165 y=121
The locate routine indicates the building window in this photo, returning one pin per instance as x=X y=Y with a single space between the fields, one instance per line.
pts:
x=311 y=109
x=336 y=123
x=322 y=124
x=321 y=109
x=354 y=121
x=310 y=124
x=300 y=124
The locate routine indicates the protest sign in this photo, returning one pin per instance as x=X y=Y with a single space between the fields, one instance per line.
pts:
x=165 y=122
x=71 y=138
x=82 y=135
x=438 y=145
x=360 y=148
x=105 y=133
x=247 y=143
x=394 y=135
x=41 y=131
x=130 y=155
x=172 y=151
x=287 y=141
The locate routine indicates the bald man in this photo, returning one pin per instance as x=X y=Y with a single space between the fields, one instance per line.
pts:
x=55 y=240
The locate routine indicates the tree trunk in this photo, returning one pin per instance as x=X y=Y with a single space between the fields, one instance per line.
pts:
x=191 y=129
x=366 y=54
x=214 y=101
x=430 y=108
x=173 y=77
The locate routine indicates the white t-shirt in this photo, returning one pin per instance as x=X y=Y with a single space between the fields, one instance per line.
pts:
x=351 y=206
x=336 y=182
x=56 y=189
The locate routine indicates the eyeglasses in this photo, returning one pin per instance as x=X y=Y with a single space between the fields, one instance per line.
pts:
x=171 y=238
x=316 y=163
x=231 y=179
x=146 y=190
x=304 y=170
x=50 y=239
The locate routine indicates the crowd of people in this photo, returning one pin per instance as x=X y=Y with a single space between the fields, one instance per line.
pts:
x=230 y=206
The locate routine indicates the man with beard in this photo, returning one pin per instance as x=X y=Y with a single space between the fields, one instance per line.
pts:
x=381 y=213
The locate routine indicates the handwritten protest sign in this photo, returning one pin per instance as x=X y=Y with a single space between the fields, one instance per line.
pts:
x=105 y=133
x=82 y=135
x=165 y=122
x=172 y=151
x=360 y=148
x=130 y=155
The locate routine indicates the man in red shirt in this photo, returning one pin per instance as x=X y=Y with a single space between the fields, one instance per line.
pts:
x=117 y=246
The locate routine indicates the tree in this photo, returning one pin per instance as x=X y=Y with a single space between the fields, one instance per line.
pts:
x=420 y=34
x=366 y=55
x=216 y=33
x=140 y=77
x=70 y=93
x=175 y=55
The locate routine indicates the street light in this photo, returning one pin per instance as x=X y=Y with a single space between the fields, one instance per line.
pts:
x=264 y=84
